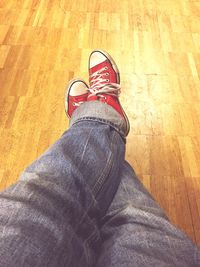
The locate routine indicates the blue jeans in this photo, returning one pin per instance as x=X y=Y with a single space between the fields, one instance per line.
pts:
x=81 y=204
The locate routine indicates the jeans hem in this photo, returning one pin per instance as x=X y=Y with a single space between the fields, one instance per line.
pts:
x=103 y=121
x=100 y=112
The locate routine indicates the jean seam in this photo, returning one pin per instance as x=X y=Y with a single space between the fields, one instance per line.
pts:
x=95 y=191
x=99 y=183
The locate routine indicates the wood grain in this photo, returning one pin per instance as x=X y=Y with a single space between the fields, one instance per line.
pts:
x=43 y=44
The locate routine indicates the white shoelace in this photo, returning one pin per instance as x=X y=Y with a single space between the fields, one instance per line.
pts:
x=101 y=85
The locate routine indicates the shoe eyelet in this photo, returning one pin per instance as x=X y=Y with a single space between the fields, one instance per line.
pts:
x=107 y=80
x=105 y=68
x=107 y=73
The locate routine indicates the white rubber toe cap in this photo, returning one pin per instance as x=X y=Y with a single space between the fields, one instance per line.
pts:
x=78 y=88
x=96 y=58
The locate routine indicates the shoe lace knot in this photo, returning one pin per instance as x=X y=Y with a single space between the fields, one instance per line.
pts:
x=100 y=84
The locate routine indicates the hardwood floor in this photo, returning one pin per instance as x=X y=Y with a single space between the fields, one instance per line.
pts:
x=156 y=43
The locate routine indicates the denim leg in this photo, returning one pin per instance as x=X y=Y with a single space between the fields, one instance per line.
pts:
x=136 y=232
x=50 y=216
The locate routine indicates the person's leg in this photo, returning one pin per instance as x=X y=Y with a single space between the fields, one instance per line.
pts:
x=50 y=217
x=136 y=232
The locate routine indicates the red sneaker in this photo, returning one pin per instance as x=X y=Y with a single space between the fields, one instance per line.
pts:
x=105 y=82
x=76 y=94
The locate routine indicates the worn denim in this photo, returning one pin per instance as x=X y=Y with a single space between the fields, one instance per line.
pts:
x=80 y=204
x=136 y=232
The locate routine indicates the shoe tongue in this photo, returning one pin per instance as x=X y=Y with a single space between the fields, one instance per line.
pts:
x=98 y=67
